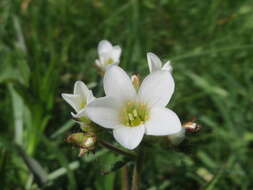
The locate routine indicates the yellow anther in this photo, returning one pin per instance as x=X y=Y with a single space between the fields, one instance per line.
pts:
x=135 y=113
x=130 y=116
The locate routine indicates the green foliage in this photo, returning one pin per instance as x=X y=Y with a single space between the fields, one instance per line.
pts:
x=45 y=46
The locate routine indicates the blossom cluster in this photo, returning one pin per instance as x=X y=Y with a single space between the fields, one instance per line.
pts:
x=130 y=108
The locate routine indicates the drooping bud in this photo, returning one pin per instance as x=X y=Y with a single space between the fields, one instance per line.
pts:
x=135 y=81
x=191 y=126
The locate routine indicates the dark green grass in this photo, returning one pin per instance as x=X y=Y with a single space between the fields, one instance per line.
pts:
x=47 y=46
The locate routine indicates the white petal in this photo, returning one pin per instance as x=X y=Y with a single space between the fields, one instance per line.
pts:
x=157 y=88
x=90 y=97
x=81 y=89
x=116 y=53
x=154 y=63
x=117 y=84
x=167 y=67
x=78 y=115
x=98 y=63
x=102 y=63
x=177 y=138
x=162 y=122
x=129 y=137
x=104 y=112
x=104 y=47
x=73 y=100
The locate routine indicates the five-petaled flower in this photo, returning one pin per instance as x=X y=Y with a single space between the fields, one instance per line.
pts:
x=80 y=98
x=132 y=113
x=108 y=54
x=155 y=64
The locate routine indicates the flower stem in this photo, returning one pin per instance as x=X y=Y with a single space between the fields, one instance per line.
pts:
x=124 y=178
x=137 y=172
x=116 y=149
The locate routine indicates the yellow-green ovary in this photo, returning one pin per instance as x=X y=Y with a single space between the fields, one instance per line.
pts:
x=134 y=113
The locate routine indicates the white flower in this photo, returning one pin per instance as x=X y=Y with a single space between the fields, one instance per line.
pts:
x=132 y=114
x=155 y=64
x=108 y=54
x=80 y=98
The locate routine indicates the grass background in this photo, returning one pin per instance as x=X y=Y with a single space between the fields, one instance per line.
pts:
x=46 y=45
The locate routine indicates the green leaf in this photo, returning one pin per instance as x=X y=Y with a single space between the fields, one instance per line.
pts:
x=40 y=175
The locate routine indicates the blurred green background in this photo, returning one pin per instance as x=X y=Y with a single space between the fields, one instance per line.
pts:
x=46 y=45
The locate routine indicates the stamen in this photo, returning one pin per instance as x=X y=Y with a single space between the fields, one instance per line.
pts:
x=134 y=113
x=130 y=116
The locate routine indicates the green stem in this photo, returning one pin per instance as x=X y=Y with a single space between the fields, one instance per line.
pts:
x=116 y=149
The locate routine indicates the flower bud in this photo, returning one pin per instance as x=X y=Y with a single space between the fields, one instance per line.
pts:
x=135 y=81
x=82 y=151
x=82 y=140
x=191 y=126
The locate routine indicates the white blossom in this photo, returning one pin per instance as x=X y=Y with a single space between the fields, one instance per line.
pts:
x=80 y=98
x=108 y=54
x=155 y=64
x=131 y=113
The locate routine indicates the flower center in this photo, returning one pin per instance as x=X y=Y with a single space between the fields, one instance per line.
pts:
x=109 y=61
x=83 y=104
x=134 y=113
x=82 y=100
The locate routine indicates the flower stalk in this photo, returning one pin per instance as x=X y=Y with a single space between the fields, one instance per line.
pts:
x=136 y=179
x=124 y=178
x=116 y=149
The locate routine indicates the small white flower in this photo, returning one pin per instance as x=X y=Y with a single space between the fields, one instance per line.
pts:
x=131 y=113
x=108 y=54
x=80 y=98
x=155 y=64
